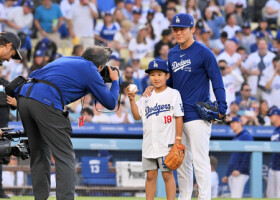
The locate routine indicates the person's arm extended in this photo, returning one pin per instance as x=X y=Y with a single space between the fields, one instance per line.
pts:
x=179 y=129
x=134 y=107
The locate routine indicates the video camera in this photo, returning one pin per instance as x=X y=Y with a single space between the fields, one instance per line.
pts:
x=6 y=150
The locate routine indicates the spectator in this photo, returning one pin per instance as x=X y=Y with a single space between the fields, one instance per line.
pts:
x=65 y=7
x=271 y=10
x=140 y=46
x=136 y=23
x=192 y=9
x=20 y=18
x=78 y=50
x=81 y=22
x=3 y=17
x=215 y=21
x=128 y=77
x=138 y=73
x=123 y=36
x=128 y=7
x=163 y=52
x=166 y=39
x=240 y=14
x=105 y=31
x=230 y=78
x=233 y=59
x=214 y=177
x=38 y=61
x=98 y=116
x=262 y=117
x=248 y=38
x=245 y=97
x=151 y=35
x=237 y=173
x=220 y=44
x=254 y=66
x=273 y=179
x=166 y=22
x=270 y=80
x=250 y=116
x=118 y=15
x=264 y=29
x=234 y=109
x=121 y=116
x=88 y=114
x=231 y=26
x=48 y=19
x=86 y=102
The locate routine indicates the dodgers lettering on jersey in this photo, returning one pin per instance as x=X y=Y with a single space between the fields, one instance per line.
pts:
x=158 y=114
x=190 y=72
x=156 y=110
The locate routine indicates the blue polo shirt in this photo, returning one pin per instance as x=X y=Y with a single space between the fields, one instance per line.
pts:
x=74 y=77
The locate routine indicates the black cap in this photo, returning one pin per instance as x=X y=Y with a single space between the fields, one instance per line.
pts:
x=14 y=39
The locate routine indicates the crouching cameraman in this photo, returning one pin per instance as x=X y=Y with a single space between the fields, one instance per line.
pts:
x=41 y=102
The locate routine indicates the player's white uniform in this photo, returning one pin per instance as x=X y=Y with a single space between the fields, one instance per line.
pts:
x=158 y=113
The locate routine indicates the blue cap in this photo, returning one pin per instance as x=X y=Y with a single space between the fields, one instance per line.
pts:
x=115 y=56
x=39 y=53
x=29 y=4
x=260 y=34
x=246 y=25
x=235 y=40
x=136 y=11
x=204 y=30
x=235 y=119
x=157 y=64
x=151 y=11
x=129 y=1
x=274 y=111
x=182 y=20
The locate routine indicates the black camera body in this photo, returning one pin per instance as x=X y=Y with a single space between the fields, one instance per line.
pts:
x=106 y=74
x=6 y=150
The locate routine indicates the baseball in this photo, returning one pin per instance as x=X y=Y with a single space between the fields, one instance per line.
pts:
x=133 y=88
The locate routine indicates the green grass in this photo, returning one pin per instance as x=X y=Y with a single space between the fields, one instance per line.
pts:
x=117 y=198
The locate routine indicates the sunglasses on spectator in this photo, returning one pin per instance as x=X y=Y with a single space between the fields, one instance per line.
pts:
x=247 y=90
x=222 y=67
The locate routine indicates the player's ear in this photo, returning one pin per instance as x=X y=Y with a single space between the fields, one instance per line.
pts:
x=167 y=76
x=193 y=30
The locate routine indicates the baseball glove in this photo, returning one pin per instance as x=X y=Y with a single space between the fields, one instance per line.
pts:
x=208 y=111
x=175 y=156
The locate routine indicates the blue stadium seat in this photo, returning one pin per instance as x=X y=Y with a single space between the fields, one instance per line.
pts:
x=95 y=171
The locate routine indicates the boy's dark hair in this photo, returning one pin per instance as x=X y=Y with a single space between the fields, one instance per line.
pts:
x=99 y=55
x=213 y=161
x=88 y=111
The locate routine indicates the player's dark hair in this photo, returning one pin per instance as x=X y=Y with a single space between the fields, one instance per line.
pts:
x=99 y=55
x=3 y=41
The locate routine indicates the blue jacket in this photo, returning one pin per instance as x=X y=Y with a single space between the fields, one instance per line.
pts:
x=240 y=161
x=275 y=157
x=190 y=71
x=74 y=77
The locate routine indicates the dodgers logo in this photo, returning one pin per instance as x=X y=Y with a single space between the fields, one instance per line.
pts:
x=156 y=109
x=177 y=19
x=181 y=65
x=155 y=64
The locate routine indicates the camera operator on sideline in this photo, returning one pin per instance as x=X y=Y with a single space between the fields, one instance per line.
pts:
x=41 y=102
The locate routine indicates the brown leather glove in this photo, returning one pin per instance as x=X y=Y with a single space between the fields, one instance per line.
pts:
x=175 y=156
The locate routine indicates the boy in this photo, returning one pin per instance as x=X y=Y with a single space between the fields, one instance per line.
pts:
x=161 y=114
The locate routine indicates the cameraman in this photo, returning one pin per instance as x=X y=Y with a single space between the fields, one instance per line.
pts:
x=48 y=128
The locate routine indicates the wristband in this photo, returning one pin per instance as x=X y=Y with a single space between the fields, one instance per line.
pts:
x=178 y=138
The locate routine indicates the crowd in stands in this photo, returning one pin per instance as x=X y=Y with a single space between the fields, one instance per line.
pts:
x=242 y=34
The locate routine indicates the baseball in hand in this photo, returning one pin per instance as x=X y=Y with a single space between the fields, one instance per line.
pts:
x=132 y=88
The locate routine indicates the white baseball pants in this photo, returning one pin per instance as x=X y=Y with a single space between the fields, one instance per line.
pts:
x=237 y=184
x=196 y=137
x=273 y=184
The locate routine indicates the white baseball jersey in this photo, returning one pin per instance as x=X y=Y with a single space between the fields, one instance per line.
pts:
x=158 y=114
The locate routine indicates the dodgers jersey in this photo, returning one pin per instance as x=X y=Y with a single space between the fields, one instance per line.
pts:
x=158 y=114
x=190 y=71
x=275 y=157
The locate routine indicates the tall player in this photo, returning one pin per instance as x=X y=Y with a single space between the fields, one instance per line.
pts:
x=162 y=126
x=191 y=66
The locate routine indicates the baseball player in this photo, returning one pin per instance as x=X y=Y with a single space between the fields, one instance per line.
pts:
x=192 y=65
x=273 y=180
x=161 y=114
x=237 y=173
